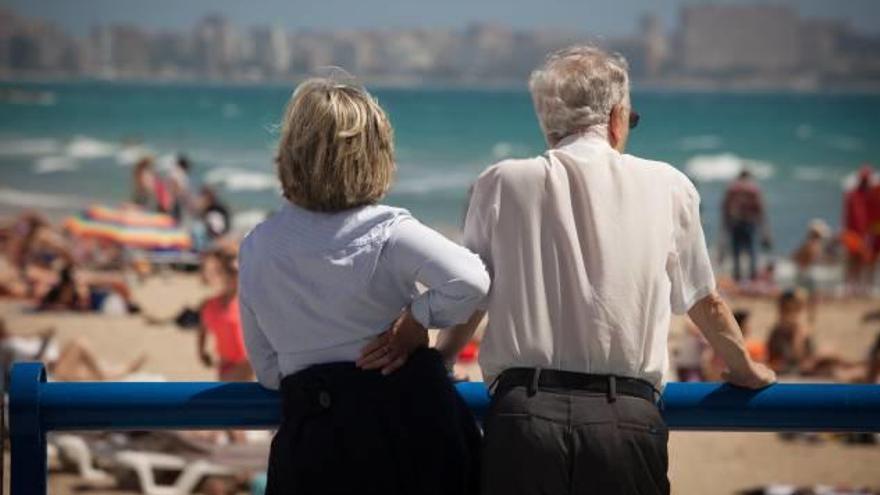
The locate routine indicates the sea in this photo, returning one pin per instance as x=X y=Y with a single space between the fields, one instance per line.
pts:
x=65 y=145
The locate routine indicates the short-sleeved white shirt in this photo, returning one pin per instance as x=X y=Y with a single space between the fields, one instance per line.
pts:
x=590 y=251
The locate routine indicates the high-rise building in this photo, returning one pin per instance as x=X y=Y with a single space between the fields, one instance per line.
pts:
x=271 y=51
x=8 y=25
x=488 y=51
x=129 y=51
x=40 y=46
x=734 y=39
x=657 y=49
x=172 y=54
x=218 y=47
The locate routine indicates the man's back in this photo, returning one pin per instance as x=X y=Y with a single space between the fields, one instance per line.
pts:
x=588 y=248
x=743 y=202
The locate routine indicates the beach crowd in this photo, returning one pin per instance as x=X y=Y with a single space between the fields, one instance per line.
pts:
x=58 y=270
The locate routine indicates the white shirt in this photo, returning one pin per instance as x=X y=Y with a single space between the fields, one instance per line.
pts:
x=589 y=251
x=317 y=287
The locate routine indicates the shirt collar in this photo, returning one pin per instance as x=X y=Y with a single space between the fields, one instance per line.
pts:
x=593 y=134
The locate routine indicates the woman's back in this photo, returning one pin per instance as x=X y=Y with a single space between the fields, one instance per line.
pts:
x=320 y=286
x=331 y=311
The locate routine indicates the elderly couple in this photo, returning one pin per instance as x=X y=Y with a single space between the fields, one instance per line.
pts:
x=577 y=257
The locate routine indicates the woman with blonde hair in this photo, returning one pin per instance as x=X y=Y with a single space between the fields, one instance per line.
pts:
x=333 y=317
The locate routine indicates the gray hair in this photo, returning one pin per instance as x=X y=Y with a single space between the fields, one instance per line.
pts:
x=576 y=89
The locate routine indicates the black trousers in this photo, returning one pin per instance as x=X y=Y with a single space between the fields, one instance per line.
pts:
x=563 y=442
x=347 y=431
x=742 y=238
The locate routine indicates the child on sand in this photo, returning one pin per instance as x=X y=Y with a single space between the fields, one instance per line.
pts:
x=791 y=349
x=807 y=257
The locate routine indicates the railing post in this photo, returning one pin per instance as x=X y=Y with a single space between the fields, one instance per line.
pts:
x=26 y=435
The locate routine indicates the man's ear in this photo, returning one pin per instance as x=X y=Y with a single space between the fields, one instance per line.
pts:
x=614 y=130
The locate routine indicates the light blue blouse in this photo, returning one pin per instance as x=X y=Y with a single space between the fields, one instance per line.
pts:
x=316 y=287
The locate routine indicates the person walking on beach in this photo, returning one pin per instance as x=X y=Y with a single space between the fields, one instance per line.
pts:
x=743 y=219
x=590 y=250
x=333 y=316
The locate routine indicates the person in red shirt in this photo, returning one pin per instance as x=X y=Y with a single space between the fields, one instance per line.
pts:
x=857 y=220
x=220 y=318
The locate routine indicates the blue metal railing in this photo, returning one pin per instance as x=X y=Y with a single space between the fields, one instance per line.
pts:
x=36 y=407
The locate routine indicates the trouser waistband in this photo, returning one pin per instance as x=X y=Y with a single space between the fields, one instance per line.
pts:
x=612 y=385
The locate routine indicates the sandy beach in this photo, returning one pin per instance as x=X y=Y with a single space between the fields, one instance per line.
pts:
x=700 y=463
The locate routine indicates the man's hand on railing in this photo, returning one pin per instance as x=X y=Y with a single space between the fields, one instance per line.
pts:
x=715 y=319
x=756 y=376
x=390 y=349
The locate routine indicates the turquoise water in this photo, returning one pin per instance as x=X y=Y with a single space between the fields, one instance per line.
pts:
x=77 y=143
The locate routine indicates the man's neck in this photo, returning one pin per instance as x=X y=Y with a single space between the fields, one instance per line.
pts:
x=592 y=132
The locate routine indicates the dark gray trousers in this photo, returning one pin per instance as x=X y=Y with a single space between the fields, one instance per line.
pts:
x=573 y=442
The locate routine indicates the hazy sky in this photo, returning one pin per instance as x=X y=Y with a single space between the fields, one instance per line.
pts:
x=609 y=17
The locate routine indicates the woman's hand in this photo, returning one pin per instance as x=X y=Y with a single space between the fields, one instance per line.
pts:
x=390 y=349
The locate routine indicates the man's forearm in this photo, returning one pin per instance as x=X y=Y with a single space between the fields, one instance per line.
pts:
x=715 y=320
x=450 y=342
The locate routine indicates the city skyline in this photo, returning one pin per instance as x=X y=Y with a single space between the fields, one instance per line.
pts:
x=597 y=18
x=712 y=46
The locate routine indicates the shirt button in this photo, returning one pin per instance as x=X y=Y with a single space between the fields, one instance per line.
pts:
x=324 y=399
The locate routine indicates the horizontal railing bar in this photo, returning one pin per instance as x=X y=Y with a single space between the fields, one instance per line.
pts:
x=36 y=407
x=214 y=405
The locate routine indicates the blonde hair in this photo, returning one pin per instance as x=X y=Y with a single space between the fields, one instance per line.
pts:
x=336 y=149
x=576 y=89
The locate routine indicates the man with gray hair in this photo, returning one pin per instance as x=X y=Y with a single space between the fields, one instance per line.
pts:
x=591 y=250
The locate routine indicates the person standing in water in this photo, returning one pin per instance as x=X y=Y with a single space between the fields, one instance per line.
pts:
x=744 y=218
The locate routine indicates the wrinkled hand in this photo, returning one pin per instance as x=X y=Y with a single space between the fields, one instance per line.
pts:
x=390 y=349
x=755 y=377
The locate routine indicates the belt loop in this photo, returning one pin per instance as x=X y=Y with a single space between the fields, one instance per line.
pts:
x=659 y=400
x=494 y=385
x=612 y=388
x=536 y=378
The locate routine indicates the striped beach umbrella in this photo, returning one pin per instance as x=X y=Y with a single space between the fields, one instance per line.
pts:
x=130 y=228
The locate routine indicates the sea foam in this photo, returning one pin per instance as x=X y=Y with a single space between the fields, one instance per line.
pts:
x=17 y=146
x=504 y=149
x=700 y=143
x=34 y=199
x=239 y=179
x=51 y=164
x=725 y=167
x=815 y=174
x=246 y=220
x=130 y=154
x=434 y=182
x=87 y=148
